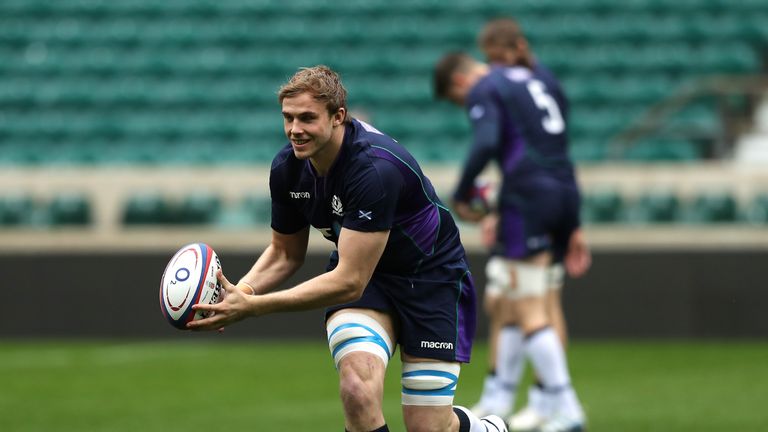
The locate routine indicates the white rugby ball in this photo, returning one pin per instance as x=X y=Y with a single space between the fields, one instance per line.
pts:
x=189 y=279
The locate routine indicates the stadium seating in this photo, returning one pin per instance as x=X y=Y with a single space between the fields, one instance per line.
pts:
x=258 y=207
x=69 y=209
x=93 y=82
x=194 y=82
x=147 y=208
x=711 y=207
x=757 y=210
x=603 y=206
x=25 y=210
x=16 y=209
x=199 y=208
x=600 y=206
x=654 y=207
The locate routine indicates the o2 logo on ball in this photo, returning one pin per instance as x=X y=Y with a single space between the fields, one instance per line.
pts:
x=182 y=275
x=189 y=279
x=183 y=271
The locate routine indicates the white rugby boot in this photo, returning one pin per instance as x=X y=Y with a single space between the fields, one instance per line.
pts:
x=494 y=400
x=482 y=409
x=494 y=423
x=527 y=420
x=533 y=415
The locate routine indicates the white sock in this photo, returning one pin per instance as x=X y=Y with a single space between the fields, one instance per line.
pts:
x=510 y=356
x=491 y=388
x=537 y=401
x=548 y=358
x=509 y=364
x=499 y=388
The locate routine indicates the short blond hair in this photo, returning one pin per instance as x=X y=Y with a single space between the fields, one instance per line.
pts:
x=321 y=82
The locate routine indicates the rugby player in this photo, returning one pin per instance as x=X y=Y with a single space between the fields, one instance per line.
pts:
x=398 y=276
x=518 y=119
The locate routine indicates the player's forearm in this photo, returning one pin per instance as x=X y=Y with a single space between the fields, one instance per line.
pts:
x=327 y=289
x=475 y=164
x=271 y=269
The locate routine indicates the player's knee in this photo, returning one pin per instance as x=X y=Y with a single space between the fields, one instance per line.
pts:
x=356 y=393
x=555 y=277
x=517 y=279
x=497 y=278
x=429 y=384
x=360 y=384
x=529 y=279
x=355 y=332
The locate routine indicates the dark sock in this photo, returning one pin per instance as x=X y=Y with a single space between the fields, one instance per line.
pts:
x=535 y=332
x=463 y=420
x=381 y=429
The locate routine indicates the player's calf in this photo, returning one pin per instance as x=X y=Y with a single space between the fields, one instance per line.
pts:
x=427 y=398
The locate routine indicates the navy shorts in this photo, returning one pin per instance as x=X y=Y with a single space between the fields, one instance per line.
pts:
x=434 y=311
x=538 y=219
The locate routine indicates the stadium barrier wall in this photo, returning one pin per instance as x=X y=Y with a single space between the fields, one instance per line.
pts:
x=628 y=294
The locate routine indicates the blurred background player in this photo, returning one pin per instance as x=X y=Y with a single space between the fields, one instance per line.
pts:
x=503 y=43
x=518 y=118
x=393 y=276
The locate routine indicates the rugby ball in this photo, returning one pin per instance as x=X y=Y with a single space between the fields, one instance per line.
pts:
x=482 y=196
x=189 y=279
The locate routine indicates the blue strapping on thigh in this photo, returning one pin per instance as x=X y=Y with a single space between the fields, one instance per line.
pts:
x=375 y=338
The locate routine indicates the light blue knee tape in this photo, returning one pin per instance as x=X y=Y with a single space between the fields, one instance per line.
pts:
x=429 y=384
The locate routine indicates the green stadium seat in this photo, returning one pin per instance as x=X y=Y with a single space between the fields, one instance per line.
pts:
x=660 y=151
x=757 y=210
x=597 y=124
x=147 y=209
x=587 y=151
x=711 y=207
x=603 y=206
x=258 y=207
x=69 y=209
x=654 y=207
x=199 y=208
x=16 y=209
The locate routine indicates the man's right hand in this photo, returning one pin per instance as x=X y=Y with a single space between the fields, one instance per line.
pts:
x=578 y=259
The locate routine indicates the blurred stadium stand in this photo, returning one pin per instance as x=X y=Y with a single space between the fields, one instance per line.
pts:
x=106 y=106
x=131 y=127
x=92 y=82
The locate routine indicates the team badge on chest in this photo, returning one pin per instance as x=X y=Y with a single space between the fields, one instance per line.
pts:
x=336 y=206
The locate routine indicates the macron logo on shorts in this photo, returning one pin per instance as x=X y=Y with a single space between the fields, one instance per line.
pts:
x=436 y=345
x=299 y=195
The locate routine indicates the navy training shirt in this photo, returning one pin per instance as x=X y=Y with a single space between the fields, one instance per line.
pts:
x=518 y=118
x=373 y=185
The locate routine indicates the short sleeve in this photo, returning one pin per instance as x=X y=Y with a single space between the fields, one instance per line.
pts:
x=286 y=218
x=373 y=194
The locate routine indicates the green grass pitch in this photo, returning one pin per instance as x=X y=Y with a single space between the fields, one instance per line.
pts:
x=269 y=386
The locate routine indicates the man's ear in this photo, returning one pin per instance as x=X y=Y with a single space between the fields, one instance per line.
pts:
x=339 y=116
